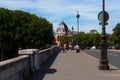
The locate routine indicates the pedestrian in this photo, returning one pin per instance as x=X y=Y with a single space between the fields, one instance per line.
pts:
x=70 y=47
x=65 y=47
x=77 y=48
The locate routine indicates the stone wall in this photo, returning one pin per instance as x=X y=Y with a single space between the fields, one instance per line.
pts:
x=29 y=62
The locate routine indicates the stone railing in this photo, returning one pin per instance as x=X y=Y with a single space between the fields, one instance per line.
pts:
x=29 y=62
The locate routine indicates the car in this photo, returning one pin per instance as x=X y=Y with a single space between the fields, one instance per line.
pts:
x=93 y=47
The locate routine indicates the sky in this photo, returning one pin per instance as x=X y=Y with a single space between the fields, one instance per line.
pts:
x=56 y=11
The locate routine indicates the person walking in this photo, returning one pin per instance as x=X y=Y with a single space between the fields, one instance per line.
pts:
x=77 y=48
x=64 y=47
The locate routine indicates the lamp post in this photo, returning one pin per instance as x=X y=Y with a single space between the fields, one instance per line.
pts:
x=72 y=37
x=103 y=17
x=78 y=16
x=72 y=29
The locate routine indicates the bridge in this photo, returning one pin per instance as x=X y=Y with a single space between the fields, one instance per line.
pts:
x=52 y=64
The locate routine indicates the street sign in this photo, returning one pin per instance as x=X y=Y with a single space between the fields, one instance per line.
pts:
x=100 y=16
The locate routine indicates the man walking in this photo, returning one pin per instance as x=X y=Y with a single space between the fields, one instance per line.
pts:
x=77 y=48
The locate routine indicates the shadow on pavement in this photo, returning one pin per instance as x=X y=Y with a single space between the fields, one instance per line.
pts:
x=46 y=68
x=51 y=71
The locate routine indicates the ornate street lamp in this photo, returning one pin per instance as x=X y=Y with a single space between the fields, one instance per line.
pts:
x=72 y=37
x=77 y=16
x=103 y=16
x=72 y=29
x=78 y=39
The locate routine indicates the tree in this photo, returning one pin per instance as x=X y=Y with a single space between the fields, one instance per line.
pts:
x=116 y=34
x=64 y=39
x=90 y=39
x=19 y=29
x=86 y=39
x=109 y=41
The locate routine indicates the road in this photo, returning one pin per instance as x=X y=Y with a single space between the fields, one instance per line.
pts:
x=113 y=56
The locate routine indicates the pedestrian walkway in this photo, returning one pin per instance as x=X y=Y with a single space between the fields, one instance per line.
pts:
x=77 y=66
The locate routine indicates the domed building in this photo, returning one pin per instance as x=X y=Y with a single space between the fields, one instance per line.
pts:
x=62 y=29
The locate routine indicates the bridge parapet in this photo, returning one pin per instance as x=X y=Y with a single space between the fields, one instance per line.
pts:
x=29 y=61
x=15 y=68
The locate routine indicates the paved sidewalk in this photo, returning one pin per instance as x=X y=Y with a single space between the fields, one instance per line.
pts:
x=78 y=66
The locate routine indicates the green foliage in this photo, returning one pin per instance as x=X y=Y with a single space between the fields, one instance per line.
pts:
x=87 y=39
x=64 y=39
x=21 y=29
x=90 y=39
x=116 y=34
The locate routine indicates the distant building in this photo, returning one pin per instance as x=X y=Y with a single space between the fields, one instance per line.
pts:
x=62 y=29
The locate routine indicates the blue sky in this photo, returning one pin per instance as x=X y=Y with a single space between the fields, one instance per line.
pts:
x=56 y=11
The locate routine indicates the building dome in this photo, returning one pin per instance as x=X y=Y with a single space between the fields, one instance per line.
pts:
x=62 y=28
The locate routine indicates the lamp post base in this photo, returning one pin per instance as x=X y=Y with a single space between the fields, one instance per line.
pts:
x=104 y=66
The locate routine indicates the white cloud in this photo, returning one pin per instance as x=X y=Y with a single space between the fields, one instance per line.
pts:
x=57 y=10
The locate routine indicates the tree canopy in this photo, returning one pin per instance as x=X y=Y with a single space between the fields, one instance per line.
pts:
x=24 y=30
x=116 y=34
x=86 y=39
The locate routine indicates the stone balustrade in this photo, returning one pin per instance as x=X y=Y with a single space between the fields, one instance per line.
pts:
x=29 y=62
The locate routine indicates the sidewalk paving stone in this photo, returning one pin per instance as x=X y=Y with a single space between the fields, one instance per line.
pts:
x=78 y=66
